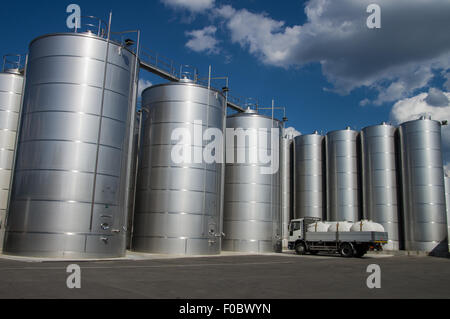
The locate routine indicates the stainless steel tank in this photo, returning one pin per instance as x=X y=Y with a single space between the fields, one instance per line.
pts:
x=309 y=176
x=286 y=186
x=178 y=203
x=343 y=176
x=69 y=195
x=252 y=208
x=423 y=186
x=11 y=86
x=447 y=204
x=379 y=180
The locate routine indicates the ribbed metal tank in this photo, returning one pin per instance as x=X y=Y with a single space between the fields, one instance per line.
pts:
x=11 y=86
x=343 y=176
x=447 y=202
x=423 y=186
x=309 y=176
x=252 y=207
x=178 y=205
x=286 y=186
x=69 y=195
x=379 y=180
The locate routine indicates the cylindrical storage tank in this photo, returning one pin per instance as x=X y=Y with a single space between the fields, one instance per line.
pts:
x=343 y=226
x=11 y=86
x=69 y=195
x=309 y=176
x=252 y=221
x=379 y=180
x=423 y=188
x=286 y=186
x=178 y=200
x=447 y=202
x=343 y=177
x=318 y=227
x=367 y=226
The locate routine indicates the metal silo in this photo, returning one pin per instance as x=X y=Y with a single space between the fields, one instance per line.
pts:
x=286 y=186
x=447 y=204
x=178 y=202
x=70 y=190
x=379 y=180
x=343 y=198
x=423 y=186
x=11 y=88
x=309 y=176
x=252 y=208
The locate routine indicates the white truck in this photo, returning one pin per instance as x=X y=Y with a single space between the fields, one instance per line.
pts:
x=344 y=238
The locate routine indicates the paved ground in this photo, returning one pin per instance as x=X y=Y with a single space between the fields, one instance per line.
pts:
x=240 y=277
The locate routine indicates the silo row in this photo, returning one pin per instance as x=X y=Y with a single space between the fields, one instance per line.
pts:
x=393 y=176
x=73 y=190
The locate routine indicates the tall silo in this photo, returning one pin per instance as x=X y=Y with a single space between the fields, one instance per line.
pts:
x=343 y=176
x=252 y=221
x=423 y=186
x=69 y=194
x=11 y=88
x=379 y=180
x=178 y=200
x=286 y=186
x=309 y=176
x=447 y=204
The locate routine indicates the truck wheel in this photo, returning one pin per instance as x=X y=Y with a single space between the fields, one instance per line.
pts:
x=346 y=250
x=300 y=249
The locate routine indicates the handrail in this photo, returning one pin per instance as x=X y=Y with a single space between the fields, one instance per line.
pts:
x=94 y=25
x=124 y=40
x=12 y=62
x=159 y=61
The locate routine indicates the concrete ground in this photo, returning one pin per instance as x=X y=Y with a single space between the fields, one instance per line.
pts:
x=271 y=276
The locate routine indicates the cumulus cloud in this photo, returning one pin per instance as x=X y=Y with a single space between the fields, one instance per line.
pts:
x=395 y=60
x=203 y=40
x=439 y=109
x=194 y=6
x=142 y=85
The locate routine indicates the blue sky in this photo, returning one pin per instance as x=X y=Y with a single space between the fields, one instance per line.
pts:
x=325 y=80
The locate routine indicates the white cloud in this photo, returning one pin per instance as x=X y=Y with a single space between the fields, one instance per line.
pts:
x=194 y=6
x=264 y=37
x=142 y=85
x=412 y=108
x=203 y=40
x=395 y=60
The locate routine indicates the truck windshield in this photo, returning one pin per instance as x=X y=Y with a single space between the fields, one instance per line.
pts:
x=295 y=226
